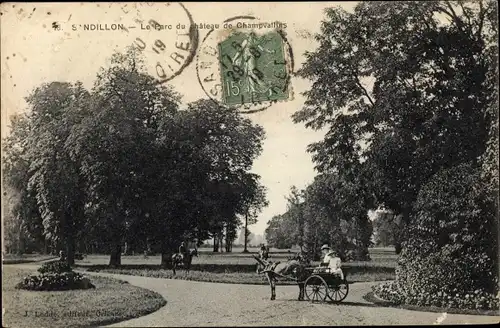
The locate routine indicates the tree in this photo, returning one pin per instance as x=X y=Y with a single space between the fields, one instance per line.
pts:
x=21 y=217
x=427 y=116
x=128 y=111
x=39 y=168
x=384 y=226
x=336 y=208
x=207 y=153
x=254 y=203
x=281 y=231
x=295 y=207
x=122 y=163
x=417 y=118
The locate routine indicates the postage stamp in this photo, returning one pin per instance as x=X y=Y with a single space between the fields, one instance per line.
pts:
x=253 y=68
x=246 y=67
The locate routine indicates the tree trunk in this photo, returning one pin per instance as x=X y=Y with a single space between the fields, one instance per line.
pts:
x=20 y=243
x=116 y=255
x=245 y=250
x=216 y=244
x=221 y=242
x=166 y=260
x=70 y=251
x=397 y=246
x=167 y=250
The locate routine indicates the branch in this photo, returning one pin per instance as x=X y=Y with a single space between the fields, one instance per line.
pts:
x=482 y=15
x=117 y=93
x=457 y=20
x=465 y=13
x=364 y=90
x=452 y=15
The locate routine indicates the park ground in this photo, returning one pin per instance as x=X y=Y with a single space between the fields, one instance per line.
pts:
x=200 y=303
x=237 y=267
x=111 y=301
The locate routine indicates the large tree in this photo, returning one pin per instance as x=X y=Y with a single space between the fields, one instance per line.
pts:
x=122 y=157
x=21 y=218
x=39 y=166
x=406 y=89
x=421 y=109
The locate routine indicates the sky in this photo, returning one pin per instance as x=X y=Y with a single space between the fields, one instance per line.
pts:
x=35 y=51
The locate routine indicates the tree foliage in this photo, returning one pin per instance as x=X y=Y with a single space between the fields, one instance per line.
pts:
x=422 y=108
x=336 y=213
x=407 y=91
x=122 y=163
x=281 y=232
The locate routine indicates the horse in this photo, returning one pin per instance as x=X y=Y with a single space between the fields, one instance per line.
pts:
x=295 y=268
x=184 y=260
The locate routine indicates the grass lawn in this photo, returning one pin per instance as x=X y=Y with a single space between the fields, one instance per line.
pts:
x=111 y=301
x=236 y=267
x=25 y=258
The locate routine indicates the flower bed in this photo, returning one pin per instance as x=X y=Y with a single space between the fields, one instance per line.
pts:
x=55 y=281
x=478 y=300
x=55 y=276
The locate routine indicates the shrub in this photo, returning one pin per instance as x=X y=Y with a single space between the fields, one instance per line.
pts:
x=54 y=267
x=449 y=259
x=55 y=281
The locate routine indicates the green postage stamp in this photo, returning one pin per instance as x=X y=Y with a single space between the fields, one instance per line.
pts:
x=253 y=68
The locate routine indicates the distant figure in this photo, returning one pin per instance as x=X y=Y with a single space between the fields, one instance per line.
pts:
x=62 y=256
x=264 y=256
x=264 y=253
x=183 y=250
x=145 y=253
x=183 y=258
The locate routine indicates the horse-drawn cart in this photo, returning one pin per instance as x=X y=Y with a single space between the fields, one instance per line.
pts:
x=321 y=286
x=315 y=283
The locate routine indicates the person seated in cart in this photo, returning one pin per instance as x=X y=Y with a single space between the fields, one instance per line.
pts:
x=331 y=263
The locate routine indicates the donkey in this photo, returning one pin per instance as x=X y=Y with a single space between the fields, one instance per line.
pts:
x=295 y=268
x=183 y=260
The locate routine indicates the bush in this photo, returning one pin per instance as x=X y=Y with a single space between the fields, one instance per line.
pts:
x=55 y=281
x=54 y=267
x=449 y=259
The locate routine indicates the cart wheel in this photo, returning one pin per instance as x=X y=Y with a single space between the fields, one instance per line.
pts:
x=338 y=292
x=316 y=289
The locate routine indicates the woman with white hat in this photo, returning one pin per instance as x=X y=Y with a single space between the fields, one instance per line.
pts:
x=331 y=261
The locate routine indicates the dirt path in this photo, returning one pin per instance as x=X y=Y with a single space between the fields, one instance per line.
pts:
x=192 y=303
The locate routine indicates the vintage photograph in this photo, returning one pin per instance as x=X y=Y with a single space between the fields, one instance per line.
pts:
x=249 y=164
